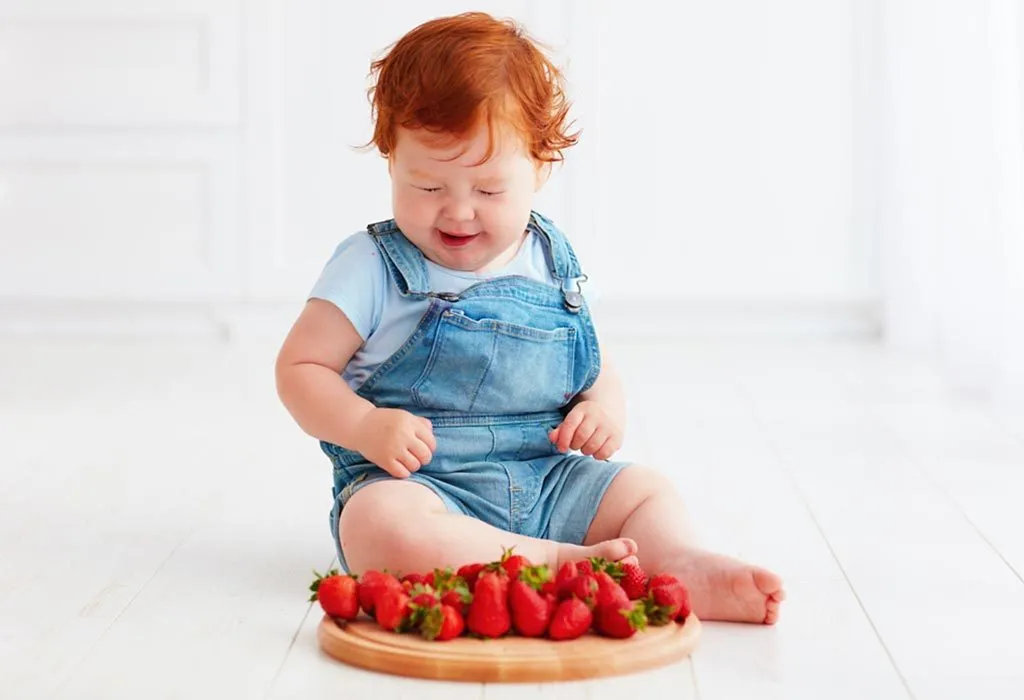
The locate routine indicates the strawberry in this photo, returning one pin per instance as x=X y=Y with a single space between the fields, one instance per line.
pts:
x=663 y=603
x=608 y=591
x=452 y=589
x=414 y=578
x=470 y=573
x=440 y=579
x=393 y=610
x=667 y=601
x=531 y=609
x=661 y=579
x=566 y=573
x=684 y=606
x=634 y=581
x=488 y=613
x=584 y=587
x=594 y=564
x=441 y=623
x=371 y=584
x=512 y=563
x=570 y=620
x=424 y=596
x=616 y=620
x=591 y=565
x=458 y=598
x=337 y=594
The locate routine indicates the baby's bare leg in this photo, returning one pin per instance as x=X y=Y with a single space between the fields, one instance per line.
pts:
x=644 y=506
x=403 y=526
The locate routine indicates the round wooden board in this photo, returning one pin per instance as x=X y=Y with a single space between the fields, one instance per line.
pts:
x=510 y=659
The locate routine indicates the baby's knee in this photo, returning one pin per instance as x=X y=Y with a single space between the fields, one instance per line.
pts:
x=377 y=528
x=643 y=482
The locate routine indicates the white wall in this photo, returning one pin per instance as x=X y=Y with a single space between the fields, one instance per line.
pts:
x=190 y=161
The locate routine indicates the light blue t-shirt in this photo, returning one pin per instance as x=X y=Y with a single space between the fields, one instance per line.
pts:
x=356 y=280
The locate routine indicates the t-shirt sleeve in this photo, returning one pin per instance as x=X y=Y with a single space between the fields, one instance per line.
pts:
x=355 y=280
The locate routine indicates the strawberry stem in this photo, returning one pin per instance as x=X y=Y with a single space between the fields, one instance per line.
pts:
x=535 y=576
x=430 y=622
x=315 y=586
x=636 y=615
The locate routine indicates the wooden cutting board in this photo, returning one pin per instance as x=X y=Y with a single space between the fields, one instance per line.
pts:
x=511 y=659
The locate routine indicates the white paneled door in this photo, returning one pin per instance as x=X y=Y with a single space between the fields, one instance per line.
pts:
x=118 y=149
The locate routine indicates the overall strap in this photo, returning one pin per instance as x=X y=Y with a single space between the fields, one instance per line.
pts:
x=409 y=270
x=403 y=258
x=565 y=267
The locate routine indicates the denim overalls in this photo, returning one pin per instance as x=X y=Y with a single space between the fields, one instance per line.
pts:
x=493 y=369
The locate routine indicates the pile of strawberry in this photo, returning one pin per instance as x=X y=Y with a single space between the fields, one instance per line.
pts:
x=510 y=595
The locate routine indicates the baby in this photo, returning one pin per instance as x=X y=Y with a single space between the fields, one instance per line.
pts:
x=447 y=360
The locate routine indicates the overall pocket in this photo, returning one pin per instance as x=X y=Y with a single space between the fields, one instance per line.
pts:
x=488 y=366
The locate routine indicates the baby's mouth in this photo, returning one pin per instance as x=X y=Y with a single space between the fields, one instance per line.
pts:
x=457 y=240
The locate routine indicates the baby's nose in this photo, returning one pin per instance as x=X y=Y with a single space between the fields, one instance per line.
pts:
x=459 y=210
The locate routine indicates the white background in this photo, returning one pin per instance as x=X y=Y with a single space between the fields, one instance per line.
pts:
x=807 y=167
x=202 y=152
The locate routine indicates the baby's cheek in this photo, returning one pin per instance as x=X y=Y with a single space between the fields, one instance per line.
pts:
x=416 y=219
x=511 y=221
x=410 y=210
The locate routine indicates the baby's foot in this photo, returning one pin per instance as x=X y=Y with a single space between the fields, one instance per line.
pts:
x=723 y=588
x=612 y=550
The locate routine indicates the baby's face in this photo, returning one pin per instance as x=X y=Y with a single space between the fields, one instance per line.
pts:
x=462 y=215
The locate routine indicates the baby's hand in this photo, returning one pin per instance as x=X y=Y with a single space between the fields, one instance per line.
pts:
x=395 y=440
x=589 y=429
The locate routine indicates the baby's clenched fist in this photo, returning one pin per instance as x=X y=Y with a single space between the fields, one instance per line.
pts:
x=395 y=440
x=590 y=429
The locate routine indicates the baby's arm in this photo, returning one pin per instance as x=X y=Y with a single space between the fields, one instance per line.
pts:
x=608 y=392
x=308 y=373
x=310 y=385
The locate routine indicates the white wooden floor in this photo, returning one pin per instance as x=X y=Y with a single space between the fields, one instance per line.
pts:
x=160 y=517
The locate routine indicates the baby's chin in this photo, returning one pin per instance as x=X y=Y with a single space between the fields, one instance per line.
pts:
x=469 y=265
x=466 y=261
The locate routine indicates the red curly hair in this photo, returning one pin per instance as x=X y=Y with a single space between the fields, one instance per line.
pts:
x=451 y=74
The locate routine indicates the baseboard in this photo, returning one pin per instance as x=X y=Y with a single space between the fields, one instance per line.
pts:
x=225 y=322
